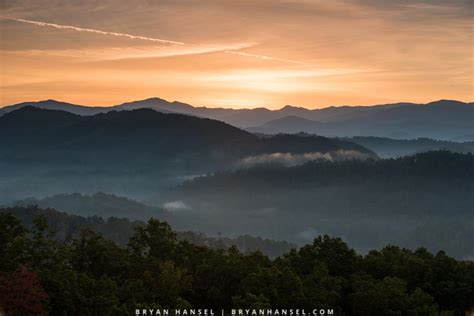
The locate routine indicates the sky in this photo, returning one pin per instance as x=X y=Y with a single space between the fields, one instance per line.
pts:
x=239 y=54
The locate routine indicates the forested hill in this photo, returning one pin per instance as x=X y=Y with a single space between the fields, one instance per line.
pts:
x=92 y=275
x=392 y=148
x=453 y=168
x=98 y=204
x=140 y=135
x=130 y=153
x=119 y=230
x=421 y=200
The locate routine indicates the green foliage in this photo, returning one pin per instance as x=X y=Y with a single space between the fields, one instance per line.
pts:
x=92 y=275
x=98 y=204
x=154 y=240
x=119 y=230
x=13 y=242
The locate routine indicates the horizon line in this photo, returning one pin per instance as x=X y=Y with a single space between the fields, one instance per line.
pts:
x=236 y=108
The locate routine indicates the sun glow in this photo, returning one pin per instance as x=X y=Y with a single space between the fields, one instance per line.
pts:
x=233 y=55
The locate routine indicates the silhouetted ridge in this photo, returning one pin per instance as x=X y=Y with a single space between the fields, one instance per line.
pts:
x=446 y=102
x=30 y=118
x=142 y=137
x=442 y=119
x=58 y=105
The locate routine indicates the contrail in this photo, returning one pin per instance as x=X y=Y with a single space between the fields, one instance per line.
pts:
x=81 y=29
x=265 y=57
x=143 y=38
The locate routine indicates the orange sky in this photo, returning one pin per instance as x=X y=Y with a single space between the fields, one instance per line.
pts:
x=236 y=53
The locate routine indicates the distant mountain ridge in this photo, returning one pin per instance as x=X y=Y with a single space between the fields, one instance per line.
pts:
x=443 y=119
x=391 y=148
x=129 y=153
x=55 y=105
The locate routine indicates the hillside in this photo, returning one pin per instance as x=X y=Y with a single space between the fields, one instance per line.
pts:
x=291 y=125
x=146 y=130
x=129 y=153
x=119 y=230
x=98 y=204
x=420 y=200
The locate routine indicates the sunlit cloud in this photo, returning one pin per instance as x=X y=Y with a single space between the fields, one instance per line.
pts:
x=137 y=53
x=230 y=53
x=117 y=53
x=265 y=57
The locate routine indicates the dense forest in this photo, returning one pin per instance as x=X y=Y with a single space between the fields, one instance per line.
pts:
x=92 y=275
x=206 y=198
x=421 y=200
x=119 y=230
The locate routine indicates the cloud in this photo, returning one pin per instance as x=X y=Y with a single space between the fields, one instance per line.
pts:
x=291 y=160
x=198 y=48
x=308 y=234
x=264 y=57
x=81 y=29
x=422 y=47
x=116 y=53
x=175 y=206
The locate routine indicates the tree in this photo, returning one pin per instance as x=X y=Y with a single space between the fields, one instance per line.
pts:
x=93 y=275
x=97 y=256
x=13 y=242
x=155 y=240
x=422 y=304
x=21 y=292
x=323 y=290
x=378 y=297
x=339 y=259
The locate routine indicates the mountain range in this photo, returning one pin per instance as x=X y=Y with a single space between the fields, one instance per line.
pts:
x=207 y=175
x=133 y=152
x=443 y=119
x=149 y=132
